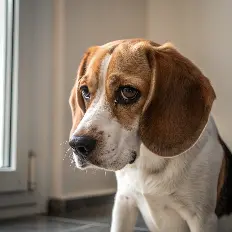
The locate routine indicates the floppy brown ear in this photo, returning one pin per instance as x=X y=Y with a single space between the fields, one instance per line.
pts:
x=75 y=100
x=178 y=104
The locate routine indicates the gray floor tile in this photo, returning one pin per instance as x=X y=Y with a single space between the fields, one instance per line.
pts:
x=91 y=219
x=91 y=225
x=98 y=214
x=104 y=229
x=95 y=229
x=39 y=224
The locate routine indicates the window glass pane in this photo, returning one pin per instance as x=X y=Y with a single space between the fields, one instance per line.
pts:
x=6 y=38
x=2 y=74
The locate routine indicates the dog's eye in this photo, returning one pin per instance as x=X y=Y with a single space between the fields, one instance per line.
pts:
x=127 y=95
x=85 y=92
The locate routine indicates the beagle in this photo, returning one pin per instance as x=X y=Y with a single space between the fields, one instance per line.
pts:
x=142 y=110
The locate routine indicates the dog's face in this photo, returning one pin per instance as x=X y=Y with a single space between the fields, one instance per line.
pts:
x=131 y=92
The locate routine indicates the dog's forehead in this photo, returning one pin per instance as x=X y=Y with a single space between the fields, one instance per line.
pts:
x=108 y=67
x=93 y=66
x=130 y=59
x=127 y=57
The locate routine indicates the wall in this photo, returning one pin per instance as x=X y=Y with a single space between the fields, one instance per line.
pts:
x=41 y=17
x=201 y=31
x=78 y=25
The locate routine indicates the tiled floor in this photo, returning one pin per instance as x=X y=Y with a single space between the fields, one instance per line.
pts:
x=94 y=219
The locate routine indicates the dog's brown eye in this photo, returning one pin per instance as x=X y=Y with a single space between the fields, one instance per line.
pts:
x=127 y=95
x=85 y=92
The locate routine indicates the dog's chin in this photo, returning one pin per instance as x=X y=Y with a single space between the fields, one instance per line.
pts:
x=117 y=164
x=80 y=164
x=133 y=157
x=83 y=166
x=105 y=164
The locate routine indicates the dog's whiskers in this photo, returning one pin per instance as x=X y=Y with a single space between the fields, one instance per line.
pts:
x=64 y=143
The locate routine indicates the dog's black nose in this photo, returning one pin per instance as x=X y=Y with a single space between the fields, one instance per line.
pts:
x=83 y=145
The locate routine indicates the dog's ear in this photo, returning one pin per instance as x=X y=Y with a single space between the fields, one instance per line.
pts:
x=178 y=104
x=76 y=101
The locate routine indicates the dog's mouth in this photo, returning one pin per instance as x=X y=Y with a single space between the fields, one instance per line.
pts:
x=84 y=163
x=80 y=162
x=134 y=156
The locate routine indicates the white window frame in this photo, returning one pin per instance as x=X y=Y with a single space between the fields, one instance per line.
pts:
x=2 y=74
x=15 y=175
x=6 y=15
x=32 y=101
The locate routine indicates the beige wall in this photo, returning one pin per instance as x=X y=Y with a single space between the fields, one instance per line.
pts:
x=202 y=32
x=200 y=29
x=80 y=24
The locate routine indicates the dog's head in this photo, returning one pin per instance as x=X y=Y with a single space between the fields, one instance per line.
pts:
x=131 y=92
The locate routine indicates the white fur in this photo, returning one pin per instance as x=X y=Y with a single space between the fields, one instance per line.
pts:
x=179 y=198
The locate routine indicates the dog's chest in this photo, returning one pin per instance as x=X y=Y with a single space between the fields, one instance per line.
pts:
x=144 y=187
x=135 y=181
x=159 y=181
x=152 y=196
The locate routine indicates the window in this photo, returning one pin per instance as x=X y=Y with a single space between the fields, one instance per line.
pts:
x=6 y=65
x=13 y=113
x=24 y=117
x=20 y=36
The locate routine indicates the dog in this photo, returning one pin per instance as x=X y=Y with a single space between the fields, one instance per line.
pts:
x=143 y=110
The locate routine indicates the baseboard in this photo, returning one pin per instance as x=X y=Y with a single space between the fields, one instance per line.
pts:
x=58 y=207
x=18 y=212
x=87 y=194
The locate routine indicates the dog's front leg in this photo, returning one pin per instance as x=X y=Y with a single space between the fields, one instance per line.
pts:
x=125 y=213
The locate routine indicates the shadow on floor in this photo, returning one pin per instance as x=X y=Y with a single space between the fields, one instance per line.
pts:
x=88 y=219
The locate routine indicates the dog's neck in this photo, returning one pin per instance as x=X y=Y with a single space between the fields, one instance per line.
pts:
x=150 y=161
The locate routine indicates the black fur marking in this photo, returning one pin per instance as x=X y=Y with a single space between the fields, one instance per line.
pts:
x=224 y=204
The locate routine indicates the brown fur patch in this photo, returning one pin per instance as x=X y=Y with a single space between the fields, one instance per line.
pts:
x=85 y=61
x=128 y=66
x=87 y=75
x=91 y=77
x=178 y=104
x=75 y=100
